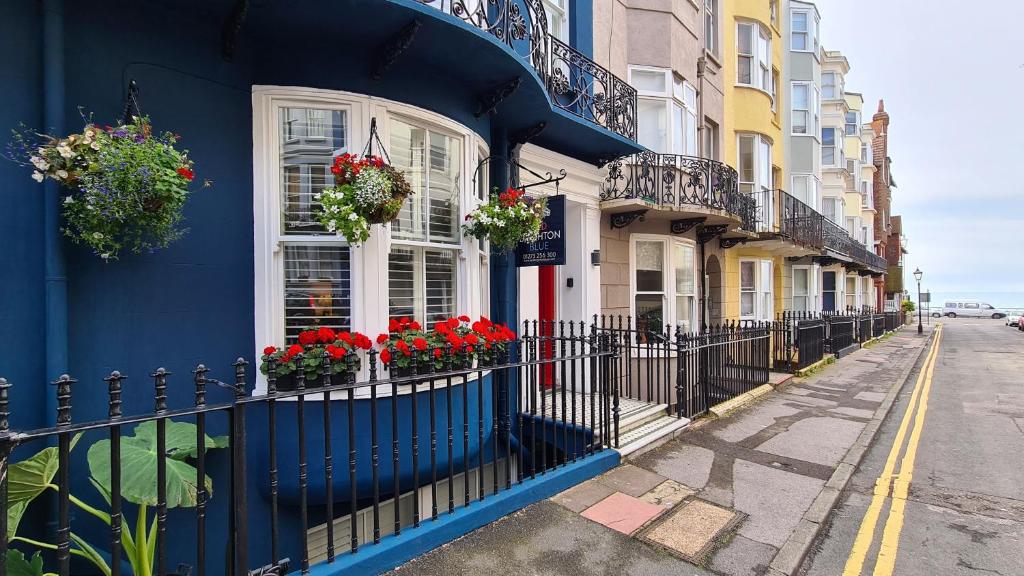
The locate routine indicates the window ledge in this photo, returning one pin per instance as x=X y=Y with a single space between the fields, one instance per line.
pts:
x=713 y=58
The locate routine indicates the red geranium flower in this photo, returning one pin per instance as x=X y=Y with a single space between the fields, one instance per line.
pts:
x=385 y=356
x=307 y=338
x=394 y=326
x=325 y=335
x=382 y=338
x=437 y=352
x=402 y=347
x=294 y=350
x=469 y=349
x=455 y=341
x=464 y=318
x=453 y=322
x=269 y=350
x=362 y=341
x=345 y=337
x=441 y=327
x=337 y=352
x=472 y=339
x=186 y=173
x=414 y=325
x=420 y=344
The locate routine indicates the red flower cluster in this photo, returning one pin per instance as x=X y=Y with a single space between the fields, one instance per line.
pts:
x=347 y=166
x=399 y=326
x=510 y=196
x=186 y=173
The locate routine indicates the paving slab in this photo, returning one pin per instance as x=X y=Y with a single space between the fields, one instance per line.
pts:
x=685 y=463
x=668 y=494
x=815 y=439
x=742 y=556
x=631 y=480
x=774 y=501
x=579 y=498
x=691 y=530
x=622 y=512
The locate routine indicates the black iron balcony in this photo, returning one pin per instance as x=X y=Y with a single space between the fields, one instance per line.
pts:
x=680 y=182
x=574 y=82
x=799 y=222
x=838 y=240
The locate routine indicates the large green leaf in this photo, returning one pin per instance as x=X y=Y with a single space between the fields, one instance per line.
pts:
x=28 y=479
x=17 y=565
x=139 y=459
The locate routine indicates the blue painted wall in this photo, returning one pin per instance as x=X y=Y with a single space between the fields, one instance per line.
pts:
x=192 y=302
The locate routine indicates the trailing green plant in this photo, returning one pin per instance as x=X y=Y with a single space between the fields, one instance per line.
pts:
x=366 y=191
x=32 y=477
x=125 y=185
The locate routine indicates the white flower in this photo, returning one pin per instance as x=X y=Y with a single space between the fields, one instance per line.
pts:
x=68 y=200
x=65 y=151
x=353 y=216
x=95 y=146
x=62 y=174
x=38 y=176
x=97 y=236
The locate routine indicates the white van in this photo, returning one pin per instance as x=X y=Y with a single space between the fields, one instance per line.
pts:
x=971 y=308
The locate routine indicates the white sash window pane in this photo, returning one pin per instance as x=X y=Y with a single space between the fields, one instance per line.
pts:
x=445 y=173
x=801 y=106
x=801 y=289
x=440 y=283
x=649 y=81
x=310 y=139
x=317 y=287
x=678 y=128
x=432 y=163
x=746 y=164
x=799 y=31
x=650 y=265
x=764 y=60
x=745 y=53
x=408 y=153
x=748 y=287
x=652 y=120
x=685 y=285
x=403 y=275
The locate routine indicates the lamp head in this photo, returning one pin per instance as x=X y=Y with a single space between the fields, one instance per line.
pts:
x=918 y=274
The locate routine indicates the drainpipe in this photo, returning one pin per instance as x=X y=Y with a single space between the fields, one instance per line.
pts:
x=55 y=281
x=701 y=69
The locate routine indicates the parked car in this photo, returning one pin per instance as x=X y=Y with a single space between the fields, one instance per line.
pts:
x=1013 y=320
x=971 y=308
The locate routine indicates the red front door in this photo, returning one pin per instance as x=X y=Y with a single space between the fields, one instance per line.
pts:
x=546 y=313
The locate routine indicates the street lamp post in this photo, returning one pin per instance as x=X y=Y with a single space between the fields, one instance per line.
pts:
x=917 y=276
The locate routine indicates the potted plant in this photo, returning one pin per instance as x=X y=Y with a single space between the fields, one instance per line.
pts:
x=125 y=185
x=366 y=191
x=314 y=345
x=507 y=219
x=454 y=343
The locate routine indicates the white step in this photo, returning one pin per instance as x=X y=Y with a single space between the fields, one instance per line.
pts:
x=650 y=435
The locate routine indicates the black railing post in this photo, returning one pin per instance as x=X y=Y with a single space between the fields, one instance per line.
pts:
x=114 y=414
x=200 y=402
x=6 y=446
x=239 y=478
x=63 y=385
x=160 y=383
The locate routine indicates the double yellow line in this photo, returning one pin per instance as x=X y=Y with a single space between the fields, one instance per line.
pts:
x=899 y=482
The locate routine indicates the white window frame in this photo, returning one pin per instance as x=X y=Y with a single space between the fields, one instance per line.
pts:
x=811 y=124
x=679 y=96
x=668 y=292
x=711 y=26
x=836 y=146
x=762 y=172
x=760 y=56
x=812 y=287
x=551 y=6
x=764 y=289
x=369 y=261
x=856 y=123
x=810 y=34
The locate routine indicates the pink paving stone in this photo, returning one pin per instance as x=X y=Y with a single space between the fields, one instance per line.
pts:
x=622 y=512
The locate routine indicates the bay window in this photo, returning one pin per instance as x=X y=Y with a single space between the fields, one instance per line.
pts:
x=805 y=189
x=664 y=282
x=830 y=89
x=802 y=108
x=756 y=294
x=418 y=266
x=754 y=58
x=803 y=31
x=666 y=111
x=832 y=208
x=852 y=123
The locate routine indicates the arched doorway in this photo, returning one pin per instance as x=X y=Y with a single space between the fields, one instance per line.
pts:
x=713 y=297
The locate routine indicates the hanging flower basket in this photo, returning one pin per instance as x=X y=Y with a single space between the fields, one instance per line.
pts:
x=367 y=191
x=507 y=219
x=125 y=185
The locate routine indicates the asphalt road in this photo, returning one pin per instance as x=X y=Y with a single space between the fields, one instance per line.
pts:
x=964 y=507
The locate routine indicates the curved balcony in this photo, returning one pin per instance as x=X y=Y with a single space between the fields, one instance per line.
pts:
x=488 y=64
x=681 y=186
x=839 y=245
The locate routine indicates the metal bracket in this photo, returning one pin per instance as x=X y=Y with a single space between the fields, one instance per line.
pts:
x=726 y=243
x=488 y=101
x=232 y=29
x=685 y=225
x=623 y=219
x=708 y=233
x=392 y=49
x=525 y=136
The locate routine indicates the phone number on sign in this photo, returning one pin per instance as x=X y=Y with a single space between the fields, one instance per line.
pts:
x=530 y=256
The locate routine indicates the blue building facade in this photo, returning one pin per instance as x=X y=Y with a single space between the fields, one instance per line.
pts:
x=264 y=95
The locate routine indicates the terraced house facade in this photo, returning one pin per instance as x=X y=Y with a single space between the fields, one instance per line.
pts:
x=692 y=160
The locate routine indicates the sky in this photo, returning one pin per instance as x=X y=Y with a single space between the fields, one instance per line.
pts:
x=952 y=78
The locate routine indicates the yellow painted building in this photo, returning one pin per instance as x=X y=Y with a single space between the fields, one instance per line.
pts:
x=752 y=53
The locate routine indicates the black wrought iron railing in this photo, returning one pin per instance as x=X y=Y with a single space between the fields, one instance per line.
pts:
x=574 y=82
x=840 y=333
x=799 y=222
x=381 y=456
x=681 y=182
x=837 y=238
x=687 y=371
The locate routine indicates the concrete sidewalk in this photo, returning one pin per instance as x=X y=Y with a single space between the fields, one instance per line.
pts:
x=743 y=494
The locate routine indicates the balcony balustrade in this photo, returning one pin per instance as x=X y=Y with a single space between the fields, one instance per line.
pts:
x=574 y=82
x=839 y=240
x=680 y=182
